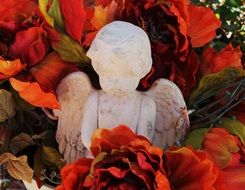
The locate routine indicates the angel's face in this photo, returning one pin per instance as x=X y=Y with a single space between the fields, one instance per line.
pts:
x=117 y=85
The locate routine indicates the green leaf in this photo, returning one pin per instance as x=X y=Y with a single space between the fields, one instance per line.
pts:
x=54 y=12
x=195 y=138
x=71 y=51
x=51 y=156
x=43 y=7
x=212 y=83
x=235 y=127
x=7 y=106
x=20 y=142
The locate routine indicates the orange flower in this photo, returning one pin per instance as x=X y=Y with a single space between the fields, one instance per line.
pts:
x=189 y=169
x=213 y=61
x=202 y=26
x=10 y=68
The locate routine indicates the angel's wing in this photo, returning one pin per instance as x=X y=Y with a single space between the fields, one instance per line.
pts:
x=72 y=93
x=172 y=121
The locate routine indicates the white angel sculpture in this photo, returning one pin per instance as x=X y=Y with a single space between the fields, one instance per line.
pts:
x=121 y=55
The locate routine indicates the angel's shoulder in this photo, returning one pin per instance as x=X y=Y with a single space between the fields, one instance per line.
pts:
x=147 y=101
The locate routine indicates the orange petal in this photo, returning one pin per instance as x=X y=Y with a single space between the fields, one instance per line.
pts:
x=103 y=16
x=51 y=71
x=10 y=68
x=202 y=26
x=32 y=93
x=220 y=146
x=104 y=140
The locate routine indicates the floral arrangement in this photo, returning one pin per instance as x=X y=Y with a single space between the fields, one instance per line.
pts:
x=198 y=45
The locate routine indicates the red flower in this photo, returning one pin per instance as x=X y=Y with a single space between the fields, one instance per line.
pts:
x=189 y=169
x=213 y=61
x=73 y=175
x=227 y=152
x=202 y=26
x=23 y=49
x=30 y=46
x=123 y=160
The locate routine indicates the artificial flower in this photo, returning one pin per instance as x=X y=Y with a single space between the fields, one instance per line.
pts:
x=123 y=159
x=220 y=145
x=228 y=153
x=73 y=175
x=30 y=46
x=202 y=26
x=10 y=68
x=187 y=169
x=32 y=93
x=213 y=61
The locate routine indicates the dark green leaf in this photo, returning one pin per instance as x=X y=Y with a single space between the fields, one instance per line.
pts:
x=71 y=51
x=20 y=142
x=38 y=164
x=195 y=138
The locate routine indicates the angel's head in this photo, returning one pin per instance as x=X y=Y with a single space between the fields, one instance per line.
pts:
x=121 y=55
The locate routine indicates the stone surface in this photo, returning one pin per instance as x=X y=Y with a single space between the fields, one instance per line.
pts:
x=121 y=55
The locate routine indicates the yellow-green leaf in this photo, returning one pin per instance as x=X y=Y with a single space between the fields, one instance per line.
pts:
x=55 y=13
x=71 y=51
x=43 y=9
x=195 y=138
x=7 y=106
x=51 y=155
x=235 y=127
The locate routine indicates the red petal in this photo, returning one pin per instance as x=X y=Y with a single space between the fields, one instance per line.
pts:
x=32 y=93
x=203 y=24
x=74 y=16
x=30 y=46
x=51 y=71
x=9 y=9
x=213 y=62
x=189 y=169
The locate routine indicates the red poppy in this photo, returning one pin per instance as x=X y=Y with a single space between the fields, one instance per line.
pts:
x=213 y=61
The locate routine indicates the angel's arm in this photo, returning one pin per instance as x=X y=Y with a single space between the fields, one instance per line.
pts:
x=89 y=122
x=146 y=125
